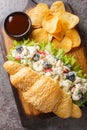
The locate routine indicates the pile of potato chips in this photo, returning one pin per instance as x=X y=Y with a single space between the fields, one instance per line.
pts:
x=54 y=24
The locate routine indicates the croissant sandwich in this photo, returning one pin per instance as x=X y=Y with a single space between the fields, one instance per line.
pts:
x=47 y=78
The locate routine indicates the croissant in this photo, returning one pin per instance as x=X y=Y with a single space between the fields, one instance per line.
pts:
x=12 y=68
x=43 y=92
x=47 y=96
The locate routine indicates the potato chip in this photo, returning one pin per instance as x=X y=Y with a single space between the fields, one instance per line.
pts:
x=39 y=35
x=57 y=8
x=69 y=20
x=74 y=36
x=56 y=43
x=54 y=25
x=59 y=36
x=37 y=14
x=64 y=26
x=66 y=44
x=51 y=23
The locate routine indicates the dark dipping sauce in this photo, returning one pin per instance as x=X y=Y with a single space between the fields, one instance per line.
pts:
x=17 y=25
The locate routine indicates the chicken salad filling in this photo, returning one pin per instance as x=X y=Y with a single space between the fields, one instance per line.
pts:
x=40 y=59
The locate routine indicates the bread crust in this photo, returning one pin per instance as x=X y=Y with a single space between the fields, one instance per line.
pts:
x=42 y=92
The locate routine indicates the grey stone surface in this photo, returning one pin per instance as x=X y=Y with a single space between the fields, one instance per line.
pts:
x=9 y=116
x=80 y=8
x=7 y=6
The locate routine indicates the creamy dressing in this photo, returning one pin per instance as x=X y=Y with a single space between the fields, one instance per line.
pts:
x=46 y=64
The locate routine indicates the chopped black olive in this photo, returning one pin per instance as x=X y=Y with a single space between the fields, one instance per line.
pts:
x=36 y=57
x=47 y=65
x=70 y=76
x=19 y=49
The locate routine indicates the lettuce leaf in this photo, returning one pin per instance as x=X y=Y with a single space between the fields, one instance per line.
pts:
x=57 y=53
x=50 y=47
x=60 y=54
x=26 y=42
x=9 y=56
x=42 y=45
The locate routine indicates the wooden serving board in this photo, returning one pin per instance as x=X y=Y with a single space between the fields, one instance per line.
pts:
x=28 y=108
x=78 y=53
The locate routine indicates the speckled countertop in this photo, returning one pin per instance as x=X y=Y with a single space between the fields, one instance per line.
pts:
x=9 y=116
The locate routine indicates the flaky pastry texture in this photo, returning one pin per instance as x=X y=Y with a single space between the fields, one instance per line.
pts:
x=43 y=92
